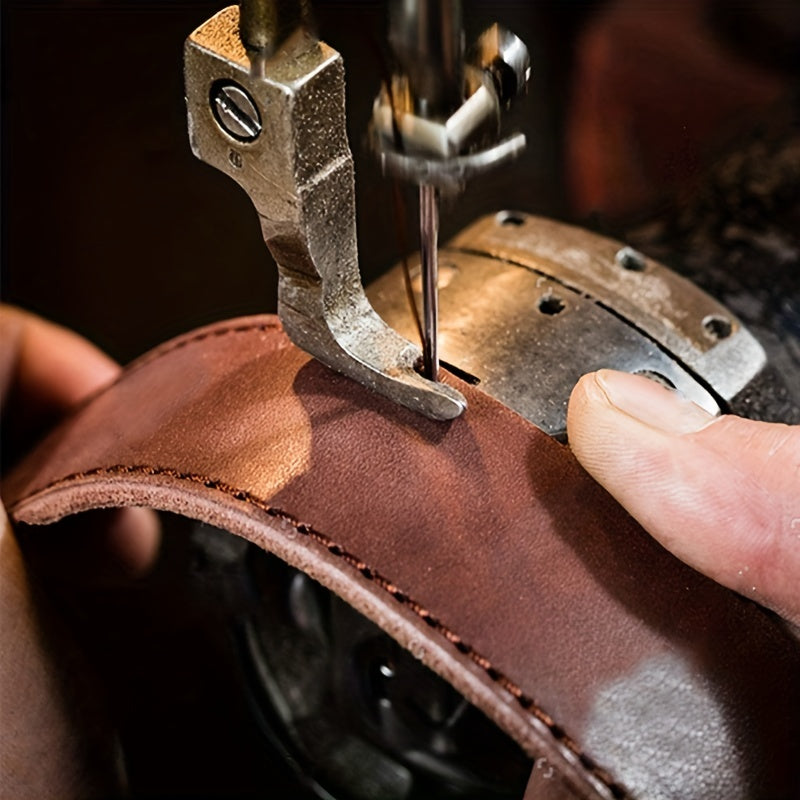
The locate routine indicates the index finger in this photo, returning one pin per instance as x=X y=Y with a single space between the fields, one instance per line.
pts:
x=50 y=366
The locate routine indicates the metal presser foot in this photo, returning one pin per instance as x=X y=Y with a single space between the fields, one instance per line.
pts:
x=266 y=106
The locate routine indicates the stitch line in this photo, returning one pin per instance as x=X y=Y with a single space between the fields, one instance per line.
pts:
x=527 y=703
x=176 y=344
x=209 y=333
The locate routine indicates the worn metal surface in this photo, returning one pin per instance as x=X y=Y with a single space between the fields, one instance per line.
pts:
x=665 y=307
x=299 y=174
x=529 y=305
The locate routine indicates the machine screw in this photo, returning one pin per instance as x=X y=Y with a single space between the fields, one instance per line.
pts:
x=235 y=111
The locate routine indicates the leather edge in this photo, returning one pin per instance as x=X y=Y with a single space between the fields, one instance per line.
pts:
x=341 y=572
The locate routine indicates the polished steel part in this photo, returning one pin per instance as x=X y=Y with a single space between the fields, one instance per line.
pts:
x=506 y=58
x=480 y=106
x=442 y=138
x=446 y=149
x=235 y=111
x=570 y=306
x=266 y=24
x=440 y=108
x=427 y=40
x=299 y=174
x=429 y=262
x=450 y=175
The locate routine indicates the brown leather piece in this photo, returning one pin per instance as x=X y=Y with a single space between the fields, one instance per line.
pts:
x=479 y=544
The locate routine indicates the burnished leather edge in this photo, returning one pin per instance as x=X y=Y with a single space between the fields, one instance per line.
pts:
x=413 y=626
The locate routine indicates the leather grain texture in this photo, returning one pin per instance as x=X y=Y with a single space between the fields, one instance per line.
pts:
x=479 y=544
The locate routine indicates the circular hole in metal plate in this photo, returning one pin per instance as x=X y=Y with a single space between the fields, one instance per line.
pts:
x=551 y=305
x=717 y=327
x=513 y=218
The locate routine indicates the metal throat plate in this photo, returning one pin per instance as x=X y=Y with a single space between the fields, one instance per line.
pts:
x=528 y=305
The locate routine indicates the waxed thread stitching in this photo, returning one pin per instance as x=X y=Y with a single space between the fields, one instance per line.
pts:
x=524 y=701
x=168 y=348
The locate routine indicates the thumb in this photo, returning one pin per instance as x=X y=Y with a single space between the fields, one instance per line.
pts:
x=721 y=493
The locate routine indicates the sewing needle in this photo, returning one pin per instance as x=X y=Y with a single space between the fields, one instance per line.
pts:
x=429 y=243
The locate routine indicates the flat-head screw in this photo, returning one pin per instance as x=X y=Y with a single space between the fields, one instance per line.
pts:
x=235 y=111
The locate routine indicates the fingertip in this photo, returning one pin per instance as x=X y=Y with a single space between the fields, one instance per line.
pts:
x=582 y=400
x=134 y=539
x=596 y=429
x=59 y=364
x=585 y=394
x=51 y=366
x=102 y=547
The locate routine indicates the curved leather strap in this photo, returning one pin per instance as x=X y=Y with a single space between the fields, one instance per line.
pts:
x=479 y=544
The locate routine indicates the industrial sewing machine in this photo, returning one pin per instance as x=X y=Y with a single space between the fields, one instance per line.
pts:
x=281 y=135
x=515 y=305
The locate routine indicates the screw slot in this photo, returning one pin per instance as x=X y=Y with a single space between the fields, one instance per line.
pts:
x=235 y=111
x=630 y=259
x=551 y=305
x=717 y=328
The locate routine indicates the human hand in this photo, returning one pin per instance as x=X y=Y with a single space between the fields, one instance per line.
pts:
x=46 y=370
x=721 y=493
